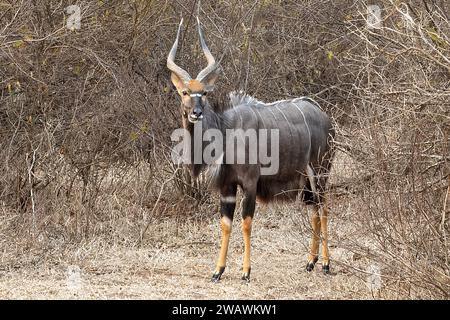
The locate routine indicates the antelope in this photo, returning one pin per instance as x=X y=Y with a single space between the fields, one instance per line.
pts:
x=306 y=151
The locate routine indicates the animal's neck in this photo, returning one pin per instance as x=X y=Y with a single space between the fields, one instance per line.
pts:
x=212 y=120
x=215 y=116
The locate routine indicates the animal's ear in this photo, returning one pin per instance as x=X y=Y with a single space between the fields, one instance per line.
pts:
x=210 y=80
x=177 y=82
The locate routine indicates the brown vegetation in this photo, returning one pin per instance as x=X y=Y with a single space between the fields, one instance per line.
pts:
x=86 y=117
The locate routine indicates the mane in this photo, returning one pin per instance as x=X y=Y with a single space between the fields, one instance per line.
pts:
x=238 y=98
x=223 y=102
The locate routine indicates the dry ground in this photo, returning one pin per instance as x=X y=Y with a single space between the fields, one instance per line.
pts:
x=177 y=257
x=177 y=260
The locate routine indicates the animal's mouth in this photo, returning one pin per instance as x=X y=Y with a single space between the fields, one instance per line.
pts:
x=193 y=118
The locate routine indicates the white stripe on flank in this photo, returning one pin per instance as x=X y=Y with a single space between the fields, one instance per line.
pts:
x=228 y=199
x=307 y=126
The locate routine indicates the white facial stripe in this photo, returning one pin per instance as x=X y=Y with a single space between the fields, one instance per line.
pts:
x=193 y=95
x=229 y=199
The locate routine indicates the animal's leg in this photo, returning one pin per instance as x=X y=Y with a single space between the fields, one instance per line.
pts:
x=227 y=206
x=314 y=251
x=324 y=229
x=323 y=210
x=315 y=221
x=248 y=209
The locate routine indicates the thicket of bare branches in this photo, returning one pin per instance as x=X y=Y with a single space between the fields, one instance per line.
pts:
x=86 y=115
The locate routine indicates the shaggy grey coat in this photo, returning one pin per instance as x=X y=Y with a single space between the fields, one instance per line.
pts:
x=305 y=138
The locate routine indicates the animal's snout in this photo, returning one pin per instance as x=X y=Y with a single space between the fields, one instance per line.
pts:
x=197 y=114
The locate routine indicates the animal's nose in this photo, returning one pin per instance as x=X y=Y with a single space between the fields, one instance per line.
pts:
x=197 y=112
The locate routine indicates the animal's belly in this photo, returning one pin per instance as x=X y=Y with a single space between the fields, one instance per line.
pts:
x=273 y=189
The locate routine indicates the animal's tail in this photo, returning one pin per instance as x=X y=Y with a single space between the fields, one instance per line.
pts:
x=308 y=196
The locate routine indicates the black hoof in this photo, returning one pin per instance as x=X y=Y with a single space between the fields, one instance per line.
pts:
x=310 y=265
x=326 y=269
x=216 y=276
x=246 y=276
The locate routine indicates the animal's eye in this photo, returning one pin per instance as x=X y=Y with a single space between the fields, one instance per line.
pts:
x=205 y=92
x=184 y=92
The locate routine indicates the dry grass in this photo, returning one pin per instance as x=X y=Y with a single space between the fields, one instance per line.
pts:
x=176 y=261
x=178 y=252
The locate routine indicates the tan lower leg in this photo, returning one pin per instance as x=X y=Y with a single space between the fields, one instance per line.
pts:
x=225 y=225
x=315 y=223
x=246 y=231
x=324 y=229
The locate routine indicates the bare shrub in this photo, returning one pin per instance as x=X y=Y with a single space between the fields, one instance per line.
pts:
x=86 y=117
